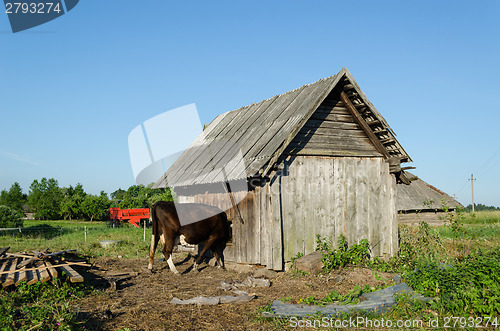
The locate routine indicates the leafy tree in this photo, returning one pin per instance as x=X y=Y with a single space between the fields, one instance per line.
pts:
x=9 y=218
x=139 y=196
x=118 y=194
x=481 y=207
x=45 y=198
x=95 y=207
x=14 y=198
x=71 y=203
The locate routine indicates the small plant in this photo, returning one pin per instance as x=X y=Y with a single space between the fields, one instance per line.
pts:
x=295 y=271
x=357 y=254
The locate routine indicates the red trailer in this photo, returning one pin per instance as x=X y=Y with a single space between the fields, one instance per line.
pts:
x=134 y=216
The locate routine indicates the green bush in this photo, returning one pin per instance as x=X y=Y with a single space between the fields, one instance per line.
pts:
x=9 y=218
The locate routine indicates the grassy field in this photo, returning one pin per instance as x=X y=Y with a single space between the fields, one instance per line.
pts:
x=63 y=235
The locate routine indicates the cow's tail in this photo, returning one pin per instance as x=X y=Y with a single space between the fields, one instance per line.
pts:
x=154 y=236
x=153 y=218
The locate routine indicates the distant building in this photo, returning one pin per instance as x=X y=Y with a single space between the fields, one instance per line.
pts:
x=421 y=201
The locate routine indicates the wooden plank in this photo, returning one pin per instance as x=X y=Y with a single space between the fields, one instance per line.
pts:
x=341 y=190
x=289 y=210
x=378 y=215
x=328 y=227
x=20 y=277
x=10 y=277
x=74 y=276
x=246 y=232
x=264 y=242
x=311 y=177
x=277 y=256
x=300 y=198
x=351 y=201
x=52 y=271
x=363 y=199
x=333 y=152
x=332 y=109
x=353 y=144
x=43 y=274
x=338 y=141
x=363 y=124
x=314 y=124
x=3 y=266
x=373 y=175
x=325 y=132
x=258 y=227
x=31 y=277
x=333 y=117
x=269 y=218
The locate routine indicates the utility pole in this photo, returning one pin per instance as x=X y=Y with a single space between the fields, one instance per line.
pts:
x=472 y=187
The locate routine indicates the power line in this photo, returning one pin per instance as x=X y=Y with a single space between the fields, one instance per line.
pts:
x=485 y=165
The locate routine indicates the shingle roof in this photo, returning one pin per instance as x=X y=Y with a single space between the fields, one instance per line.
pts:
x=248 y=141
x=420 y=195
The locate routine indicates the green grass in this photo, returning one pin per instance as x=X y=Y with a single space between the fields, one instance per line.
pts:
x=63 y=235
x=484 y=233
x=481 y=217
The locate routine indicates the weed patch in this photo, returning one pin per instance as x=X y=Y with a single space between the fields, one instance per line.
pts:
x=41 y=306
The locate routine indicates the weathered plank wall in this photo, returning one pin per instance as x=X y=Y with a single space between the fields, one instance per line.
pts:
x=328 y=196
x=333 y=196
x=434 y=218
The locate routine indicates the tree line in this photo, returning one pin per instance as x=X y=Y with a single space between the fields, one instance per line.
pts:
x=48 y=201
x=481 y=207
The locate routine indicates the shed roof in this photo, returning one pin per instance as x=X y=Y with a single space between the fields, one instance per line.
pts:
x=420 y=195
x=248 y=142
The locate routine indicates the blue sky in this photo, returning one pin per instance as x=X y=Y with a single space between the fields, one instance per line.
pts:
x=71 y=90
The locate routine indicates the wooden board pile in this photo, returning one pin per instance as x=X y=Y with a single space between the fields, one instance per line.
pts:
x=37 y=266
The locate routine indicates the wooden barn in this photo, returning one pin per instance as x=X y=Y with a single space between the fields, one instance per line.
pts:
x=421 y=201
x=317 y=160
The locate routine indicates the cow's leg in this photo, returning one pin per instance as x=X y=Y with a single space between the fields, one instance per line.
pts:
x=218 y=253
x=168 y=247
x=206 y=246
x=152 y=250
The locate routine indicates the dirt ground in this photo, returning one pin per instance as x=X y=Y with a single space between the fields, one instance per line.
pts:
x=142 y=302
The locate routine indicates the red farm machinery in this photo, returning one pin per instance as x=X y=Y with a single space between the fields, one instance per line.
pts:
x=134 y=216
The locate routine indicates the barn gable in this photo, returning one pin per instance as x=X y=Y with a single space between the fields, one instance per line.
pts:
x=332 y=130
x=331 y=117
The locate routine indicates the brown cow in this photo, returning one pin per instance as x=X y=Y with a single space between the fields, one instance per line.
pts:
x=204 y=224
